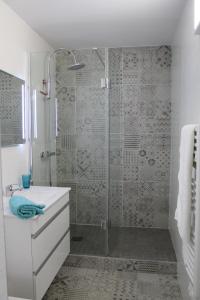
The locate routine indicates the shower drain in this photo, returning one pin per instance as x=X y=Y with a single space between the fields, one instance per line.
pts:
x=121 y=264
x=145 y=266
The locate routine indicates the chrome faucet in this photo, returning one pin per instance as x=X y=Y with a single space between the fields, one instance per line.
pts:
x=11 y=188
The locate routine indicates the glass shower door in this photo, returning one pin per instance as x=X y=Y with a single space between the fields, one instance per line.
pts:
x=82 y=146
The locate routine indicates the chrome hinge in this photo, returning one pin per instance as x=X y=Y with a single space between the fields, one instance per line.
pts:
x=103 y=224
x=105 y=83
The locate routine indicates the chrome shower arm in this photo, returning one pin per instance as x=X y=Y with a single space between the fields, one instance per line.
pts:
x=49 y=68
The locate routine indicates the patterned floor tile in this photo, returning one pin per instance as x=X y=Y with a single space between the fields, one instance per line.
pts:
x=82 y=283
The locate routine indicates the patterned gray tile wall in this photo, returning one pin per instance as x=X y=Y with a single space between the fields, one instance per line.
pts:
x=139 y=100
x=82 y=140
x=140 y=115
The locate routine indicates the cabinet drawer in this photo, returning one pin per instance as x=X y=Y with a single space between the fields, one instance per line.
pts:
x=43 y=279
x=45 y=240
x=41 y=220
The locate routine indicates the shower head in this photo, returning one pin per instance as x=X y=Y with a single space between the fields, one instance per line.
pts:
x=76 y=66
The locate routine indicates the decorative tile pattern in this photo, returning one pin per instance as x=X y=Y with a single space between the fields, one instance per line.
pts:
x=115 y=158
x=90 y=111
x=66 y=109
x=115 y=107
x=91 y=202
x=115 y=203
x=146 y=111
x=91 y=158
x=139 y=109
x=130 y=167
x=115 y=65
x=130 y=198
x=80 y=284
x=81 y=143
x=66 y=166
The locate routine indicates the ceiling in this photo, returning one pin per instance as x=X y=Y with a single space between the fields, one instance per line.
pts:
x=99 y=23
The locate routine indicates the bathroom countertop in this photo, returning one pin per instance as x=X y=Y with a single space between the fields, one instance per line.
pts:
x=39 y=194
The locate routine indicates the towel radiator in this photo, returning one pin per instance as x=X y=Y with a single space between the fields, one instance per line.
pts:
x=191 y=250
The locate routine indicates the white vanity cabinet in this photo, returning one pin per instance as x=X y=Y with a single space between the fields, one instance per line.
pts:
x=36 y=248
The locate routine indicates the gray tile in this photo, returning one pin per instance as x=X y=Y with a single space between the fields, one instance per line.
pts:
x=132 y=65
x=93 y=240
x=115 y=157
x=91 y=110
x=93 y=71
x=136 y=243
x=115 y=203
x=82 y=283
x=66 y=166
x=139 y=140
x=130 y=197
x=91 y=157
x=115 y=65
x=91 y=202
x=115 y=106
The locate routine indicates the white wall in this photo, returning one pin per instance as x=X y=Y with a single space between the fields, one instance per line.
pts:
x=17 y=41
x=185 y=108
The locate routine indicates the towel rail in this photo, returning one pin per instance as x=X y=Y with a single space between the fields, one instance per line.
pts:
x=189 y=249
x=193 y=191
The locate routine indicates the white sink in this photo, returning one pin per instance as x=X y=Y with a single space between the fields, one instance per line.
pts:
x=38 y=194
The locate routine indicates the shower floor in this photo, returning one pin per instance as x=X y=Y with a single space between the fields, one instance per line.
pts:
x=136 y=243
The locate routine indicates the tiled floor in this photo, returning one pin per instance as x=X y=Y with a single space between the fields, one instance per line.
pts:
x=137 y=243
x=74 y=283
x=93 y=240
x=123 y=275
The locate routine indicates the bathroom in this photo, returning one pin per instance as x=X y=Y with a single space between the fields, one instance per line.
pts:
x=99 y=121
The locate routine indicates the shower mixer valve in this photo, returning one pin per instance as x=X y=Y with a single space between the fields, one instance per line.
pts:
x=47 y=154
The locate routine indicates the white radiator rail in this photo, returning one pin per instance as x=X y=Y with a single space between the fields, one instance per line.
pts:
x=191 y=252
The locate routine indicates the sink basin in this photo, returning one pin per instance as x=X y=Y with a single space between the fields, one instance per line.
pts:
x=38 y=194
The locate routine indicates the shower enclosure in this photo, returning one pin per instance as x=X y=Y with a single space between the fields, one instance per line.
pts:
x=104 y=130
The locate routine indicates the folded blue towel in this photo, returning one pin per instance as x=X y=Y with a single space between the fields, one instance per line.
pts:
x=24 y=208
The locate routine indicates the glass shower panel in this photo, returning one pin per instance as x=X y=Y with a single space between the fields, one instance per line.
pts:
x=43 y=122
x=82 y=146
x=140 y=112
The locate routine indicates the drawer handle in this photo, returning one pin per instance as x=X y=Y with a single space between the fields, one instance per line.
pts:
x=52 y=251
x=35 y=235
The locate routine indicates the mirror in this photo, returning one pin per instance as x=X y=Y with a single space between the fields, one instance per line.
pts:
x=12 y=105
